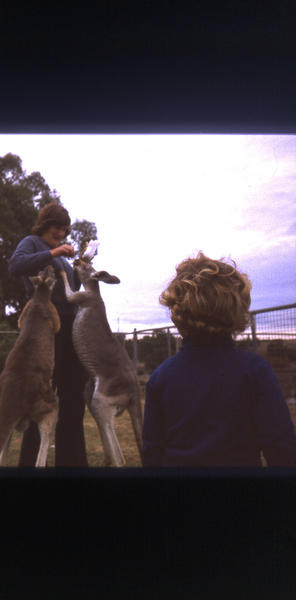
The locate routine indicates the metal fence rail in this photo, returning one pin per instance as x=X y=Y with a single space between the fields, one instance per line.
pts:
x=275 y=323
x=271 y=333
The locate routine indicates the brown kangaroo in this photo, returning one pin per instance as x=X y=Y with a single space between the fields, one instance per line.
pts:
x=26 y=392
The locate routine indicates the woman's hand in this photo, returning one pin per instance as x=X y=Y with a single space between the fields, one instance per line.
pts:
x=63 y=250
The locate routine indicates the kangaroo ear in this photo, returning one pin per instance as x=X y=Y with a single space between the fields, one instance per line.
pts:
x=77 y=262
x=36 y=280
x=50 y=282
x=49 y=271
x=105 y=276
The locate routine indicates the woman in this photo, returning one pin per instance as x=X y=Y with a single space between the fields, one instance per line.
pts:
x=45 y=247
x=213 y=404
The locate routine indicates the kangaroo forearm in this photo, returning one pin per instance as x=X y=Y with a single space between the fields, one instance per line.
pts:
x=69 y=293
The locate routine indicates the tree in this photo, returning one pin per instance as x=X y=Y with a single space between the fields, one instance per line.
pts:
x=21 y=197
x=82 y=232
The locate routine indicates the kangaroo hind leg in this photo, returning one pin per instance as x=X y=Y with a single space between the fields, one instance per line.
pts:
x=103 y=411
x=135 y=412
x=46 y=426
x=4 y=448
x=8 y=424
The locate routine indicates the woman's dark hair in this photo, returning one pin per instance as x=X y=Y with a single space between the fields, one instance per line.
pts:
x=52 y=214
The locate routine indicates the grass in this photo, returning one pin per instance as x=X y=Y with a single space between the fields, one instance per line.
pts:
x=94 y=447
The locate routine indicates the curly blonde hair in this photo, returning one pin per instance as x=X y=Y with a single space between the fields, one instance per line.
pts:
x=208 y=298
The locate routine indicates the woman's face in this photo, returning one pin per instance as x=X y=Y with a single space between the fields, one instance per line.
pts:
x=54 y=235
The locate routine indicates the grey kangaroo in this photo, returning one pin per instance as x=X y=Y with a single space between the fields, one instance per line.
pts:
x=113 y=385
x=26 y=381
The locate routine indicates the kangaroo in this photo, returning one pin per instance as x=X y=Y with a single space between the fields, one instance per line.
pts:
x=26 y=392
x=113 y=385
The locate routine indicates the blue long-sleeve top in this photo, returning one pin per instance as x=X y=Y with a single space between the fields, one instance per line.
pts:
x=32 y=255
x=216 y=406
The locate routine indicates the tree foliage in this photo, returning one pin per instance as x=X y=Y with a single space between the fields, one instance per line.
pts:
x=22 y=195
x=82 y=232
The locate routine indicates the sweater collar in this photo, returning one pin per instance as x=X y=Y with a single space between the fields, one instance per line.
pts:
x=195 y=343
x=43 y=242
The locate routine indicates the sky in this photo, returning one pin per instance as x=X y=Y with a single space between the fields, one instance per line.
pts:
x=157 y=199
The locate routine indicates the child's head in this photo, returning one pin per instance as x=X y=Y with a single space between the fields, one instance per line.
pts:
x=208 y=299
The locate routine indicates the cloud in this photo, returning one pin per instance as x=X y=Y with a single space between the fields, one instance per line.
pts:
x=292 y=229
x=273 y=274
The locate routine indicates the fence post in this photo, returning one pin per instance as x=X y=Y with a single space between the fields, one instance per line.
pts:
x=178 y=343
x=135 y=338
x=253 y=330
x=169 y=343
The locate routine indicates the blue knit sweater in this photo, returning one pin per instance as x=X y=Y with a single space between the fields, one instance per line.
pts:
x=32 y=255
x=216 y=406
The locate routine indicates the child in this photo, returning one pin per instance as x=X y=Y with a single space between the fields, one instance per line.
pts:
x=213 y=404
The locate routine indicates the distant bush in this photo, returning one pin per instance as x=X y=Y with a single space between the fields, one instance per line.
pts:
x=152 y=349
x=277 y=348
x=291 y=354
x=247 y=344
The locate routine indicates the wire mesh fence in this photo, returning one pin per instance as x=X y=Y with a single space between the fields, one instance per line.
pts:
x=273 y=323
x=276 y=324
x=267 y=324
x=271 y=333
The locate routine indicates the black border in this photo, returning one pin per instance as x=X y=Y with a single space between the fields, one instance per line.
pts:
x=159 y=534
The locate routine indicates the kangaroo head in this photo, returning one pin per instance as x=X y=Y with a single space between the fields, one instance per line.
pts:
x=44 y=279
x=87 y=273
x=105 y=276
